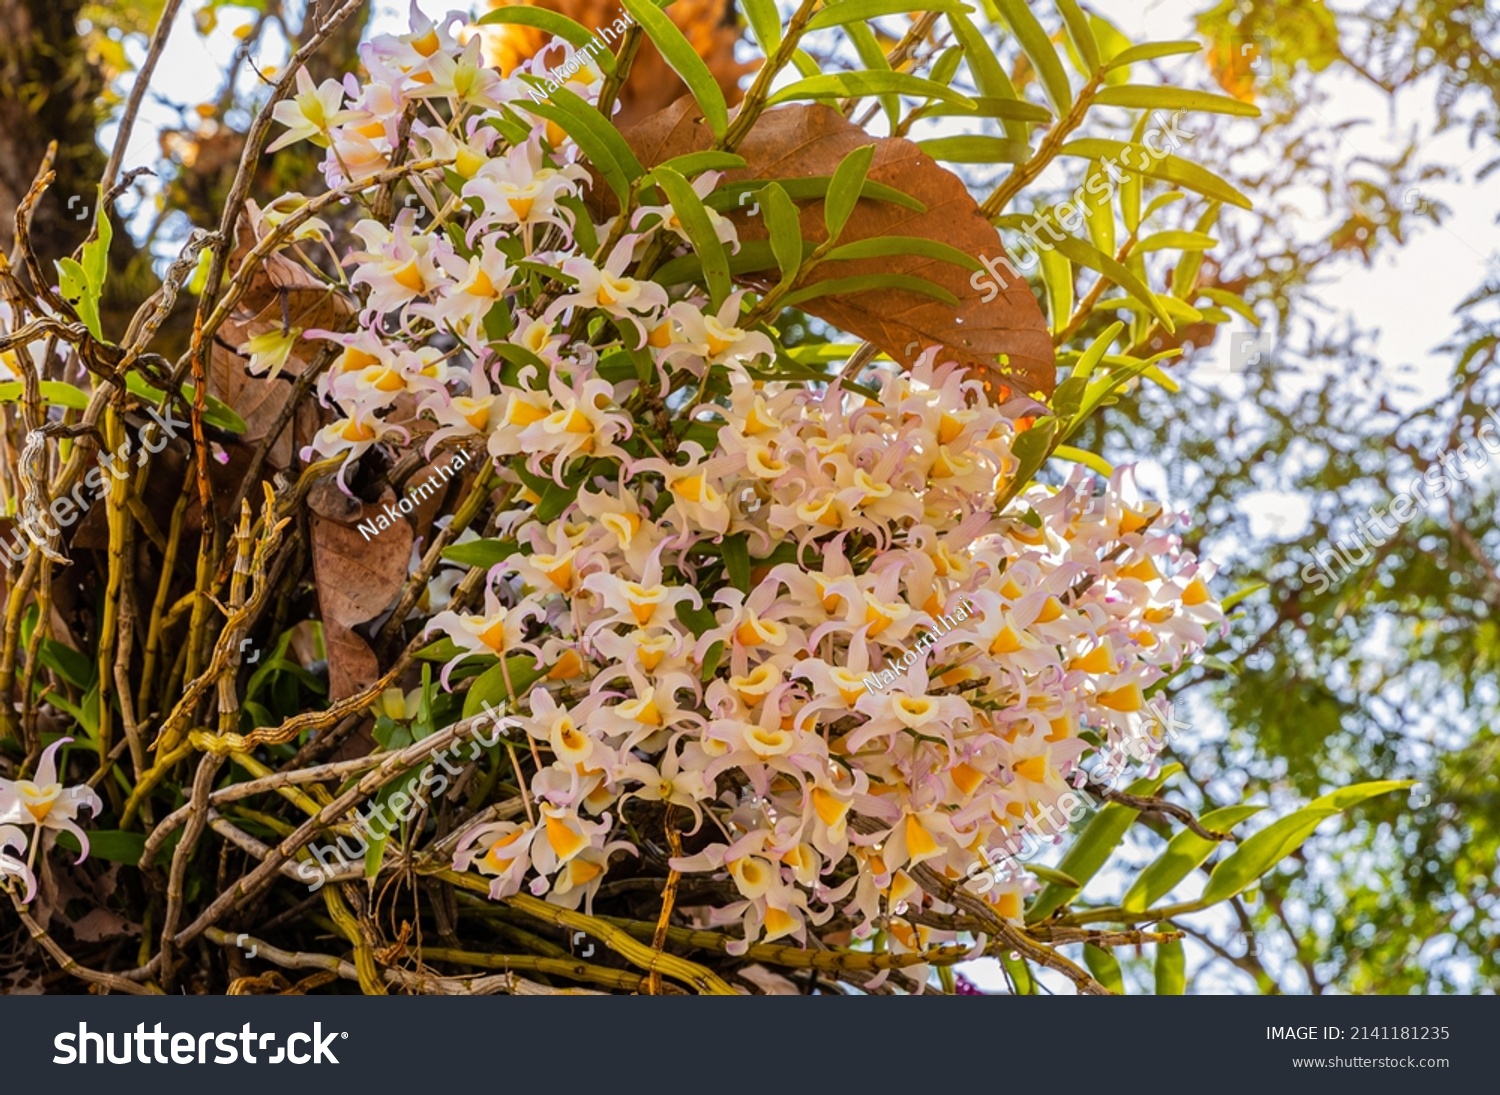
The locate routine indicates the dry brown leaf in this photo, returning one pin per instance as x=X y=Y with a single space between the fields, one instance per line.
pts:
x=812 y=140
x=357 y=579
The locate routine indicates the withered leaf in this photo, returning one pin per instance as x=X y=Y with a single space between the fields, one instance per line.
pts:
x=803 y=141
x=357 y=579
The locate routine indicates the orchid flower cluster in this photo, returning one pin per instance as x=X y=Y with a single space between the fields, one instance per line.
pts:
x=44 y=804
x=730 y=555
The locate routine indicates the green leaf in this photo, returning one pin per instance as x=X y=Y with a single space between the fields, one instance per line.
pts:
x=698 y=620
x=111 y=844
x=711 y=658
x=1056 y=877
x=785 y=227
x=481 y=553
x=679 y=53
x=1080 y=35
x=976 y=149
x=1031 y=449
x=1177 y=241
x=96 y=251
x=1095 y=845
x=695 y=163
x=856 y=85
x=844 y=190
x=884 y=246
x=559 y=26
x=810 y=188
x=1239 y=595
x=1105 y=967
x=736 y=551
x=1090 y=460
x=1150 y=52
x=216 y=413
x=1172 y=169
x=1184 y=852
x=489 y=687
x=599 y=140
x=1057 y=279
x=989 y=76
x=700 y=230
x=1171 y=968
x=74 y=286
x=765 y=21
x=1138 y=97
x=1020 y=974
x=1038 y=49
x=1008 y=110
x=1263 y=850
x=54 y=392
x=857 y=11
x=867 y=282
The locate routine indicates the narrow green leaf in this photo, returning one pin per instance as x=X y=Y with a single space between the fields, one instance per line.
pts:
x=695 y=163
x=867 y=282
x=1150 y=52
x=785 y=227
x=74 y=286
x=96 y=252
x=765 y=21
x=844 y=190
x=114 y=845
x=679 y=53
x=490 y=687
x=53 y=392
x=1263 y=850
x=885 y=246
x=1171 y=968
x=1139 y=97
x=857 y=85
x=1011 y=110
x=481 y=553
x=1095 y=844
x=1080 y=34
x=1177 y=241
x=1172 y=169
x=989 y=77
x=1105 y=967
x=1183 y=853
x=1038 y=49
x=700 y=230
x=810 y=188
x=216 y=412
x=1092 y=461
x=976 y=149
x=852 y=11
x=736 y=551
